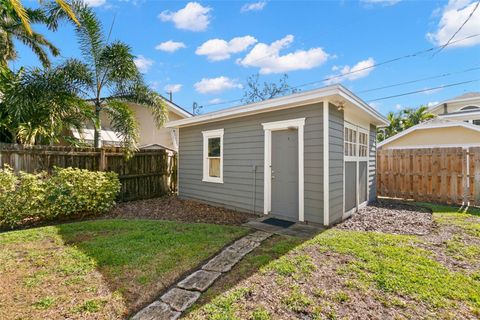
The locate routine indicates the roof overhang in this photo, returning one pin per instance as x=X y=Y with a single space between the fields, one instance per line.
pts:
x=435 y=107
x=433 y=124
x=461 y=115
x=336 y=94
x=177 y=109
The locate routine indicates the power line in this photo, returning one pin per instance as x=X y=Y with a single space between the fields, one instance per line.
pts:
x=424 y=90
x=420 y=80
x=459 y=29
x=358 y=70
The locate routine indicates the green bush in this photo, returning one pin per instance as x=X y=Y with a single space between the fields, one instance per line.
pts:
x=27 y=197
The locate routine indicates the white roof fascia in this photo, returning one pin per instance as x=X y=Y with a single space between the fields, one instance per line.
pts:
x=293 y=100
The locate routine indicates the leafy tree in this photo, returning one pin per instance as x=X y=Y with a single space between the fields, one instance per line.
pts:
x=39 y=105
x=256 y=92
x=414 y=116
x=15 y=22
x=403 y=120
x=114 y=80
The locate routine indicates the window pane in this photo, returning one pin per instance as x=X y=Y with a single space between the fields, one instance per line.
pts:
x=214 y=167
x=214 y=147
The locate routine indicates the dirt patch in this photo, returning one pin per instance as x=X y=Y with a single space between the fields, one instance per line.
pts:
x=173 y=208
x=391 y=217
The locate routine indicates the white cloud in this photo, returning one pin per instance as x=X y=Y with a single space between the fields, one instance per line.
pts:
x=214 y=101
x=453 y=15
x=95 y=3
x=170 y=46
x=218 y=49
x=254 y=6
x=268 y=58
x=193 y=17
x=432 y=103
x=359 y=70
x=399 y=107
x=432 y=91
x=380 y=2
x=216 y=85
x=375 y=105
x=143 y=64
x=173 y=88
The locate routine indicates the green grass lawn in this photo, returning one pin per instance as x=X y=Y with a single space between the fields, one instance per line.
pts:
x=102 y=269
x=343 y=274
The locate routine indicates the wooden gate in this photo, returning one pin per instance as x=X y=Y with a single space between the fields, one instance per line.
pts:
x=445 y=175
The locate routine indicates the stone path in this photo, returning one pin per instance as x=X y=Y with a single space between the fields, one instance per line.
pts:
x=181 y=296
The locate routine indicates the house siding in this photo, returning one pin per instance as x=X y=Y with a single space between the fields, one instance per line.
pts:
x=336 y=164
x=372 y=165
x=243 y=144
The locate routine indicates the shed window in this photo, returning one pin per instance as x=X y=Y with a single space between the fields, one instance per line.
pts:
x=350 y=142
x=355 y=142
x=213 y=156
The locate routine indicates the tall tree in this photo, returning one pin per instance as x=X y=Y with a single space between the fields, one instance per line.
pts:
x=114 y=79
x=256 y=92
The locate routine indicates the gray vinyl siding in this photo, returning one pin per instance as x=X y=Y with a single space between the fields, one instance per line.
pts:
x=372 y=166
x=335 y=164
x=243 y=144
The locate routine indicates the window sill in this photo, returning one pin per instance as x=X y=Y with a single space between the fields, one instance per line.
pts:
x=213 y=180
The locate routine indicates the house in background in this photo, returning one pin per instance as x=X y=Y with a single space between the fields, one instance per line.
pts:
x=457 y=125
x=307 y=157
x=151 y=137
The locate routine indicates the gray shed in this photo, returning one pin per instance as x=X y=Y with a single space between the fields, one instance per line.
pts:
x=309 y=156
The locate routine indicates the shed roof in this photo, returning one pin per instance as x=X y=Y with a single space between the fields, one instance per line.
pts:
x=336 y=94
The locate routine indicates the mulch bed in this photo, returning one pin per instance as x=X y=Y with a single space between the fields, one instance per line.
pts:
x=173 y=208
x=391 y=217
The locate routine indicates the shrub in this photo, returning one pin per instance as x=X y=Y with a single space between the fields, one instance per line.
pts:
x=27 y=197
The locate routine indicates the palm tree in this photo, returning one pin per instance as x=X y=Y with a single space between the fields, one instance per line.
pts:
x=15 y=23
x=39 y=105
x=394 y=127
x=114 y=80
x=412 y=117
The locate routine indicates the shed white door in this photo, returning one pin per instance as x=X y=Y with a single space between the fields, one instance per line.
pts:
x=285 y=174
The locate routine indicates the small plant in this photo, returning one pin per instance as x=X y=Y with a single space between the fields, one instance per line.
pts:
x=44 y=303
x=260 y=314
x=341 y=297
x=297 y=301
x=90 y=306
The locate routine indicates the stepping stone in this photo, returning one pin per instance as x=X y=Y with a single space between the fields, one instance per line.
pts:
x=224 y=261
x=258 y=236
x=244 y=246
x=180 y=299
x=157 y=310
x=200 y=280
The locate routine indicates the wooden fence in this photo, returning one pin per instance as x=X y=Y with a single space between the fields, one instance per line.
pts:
x=149 y=173
x=444 y=175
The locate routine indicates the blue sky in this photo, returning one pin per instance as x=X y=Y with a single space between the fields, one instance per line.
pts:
x=205 y=50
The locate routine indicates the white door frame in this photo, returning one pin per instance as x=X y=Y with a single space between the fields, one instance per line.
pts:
x=357 y=159
x=268 y=127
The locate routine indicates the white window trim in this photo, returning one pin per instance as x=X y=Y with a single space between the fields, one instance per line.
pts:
x=207 y=135
x=267 y=186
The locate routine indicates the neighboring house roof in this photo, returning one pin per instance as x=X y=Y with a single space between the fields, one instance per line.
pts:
x=175 y=108
x=469 y=96
x=431 y=124
x=336 y=94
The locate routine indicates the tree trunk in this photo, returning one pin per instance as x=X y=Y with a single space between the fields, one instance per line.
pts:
x=97 y=142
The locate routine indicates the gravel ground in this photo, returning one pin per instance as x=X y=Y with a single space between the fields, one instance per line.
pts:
x=173 y=208
x=391 y=217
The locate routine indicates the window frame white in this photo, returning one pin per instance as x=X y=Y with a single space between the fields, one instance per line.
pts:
x=210 y=134
x=357 y=130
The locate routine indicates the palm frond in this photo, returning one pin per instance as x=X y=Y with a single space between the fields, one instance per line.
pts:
x=68 y=11
x=17 y=7
x=124 y=122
